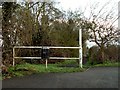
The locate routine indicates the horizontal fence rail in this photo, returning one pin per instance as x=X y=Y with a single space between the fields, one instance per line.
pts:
x=47 y=46
x=40 y=47
x=40 y=58
x=50 y=47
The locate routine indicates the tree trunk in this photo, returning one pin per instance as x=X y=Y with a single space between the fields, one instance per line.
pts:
x=102 y=56
x=102 y=53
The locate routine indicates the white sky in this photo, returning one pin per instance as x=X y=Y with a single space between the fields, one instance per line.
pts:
x=82 y=4
x=85 y=4
x=73 y=4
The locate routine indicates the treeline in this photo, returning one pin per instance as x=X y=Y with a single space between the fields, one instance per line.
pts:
x=42 y=24
x=111 y=53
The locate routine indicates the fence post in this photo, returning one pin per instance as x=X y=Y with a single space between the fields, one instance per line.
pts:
x=13 y=57
x=46 y=62
x=80 y=48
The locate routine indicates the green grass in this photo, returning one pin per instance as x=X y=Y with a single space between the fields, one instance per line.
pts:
x=0 y=76
x=68 y=62
x=27 y=69
x=109 y=64
x=61 y=67
x=105 y=64
x=40 y=68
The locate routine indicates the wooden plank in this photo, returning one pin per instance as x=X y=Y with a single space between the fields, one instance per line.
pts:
x=27 y=57
x=49 y=58
x=60 y=47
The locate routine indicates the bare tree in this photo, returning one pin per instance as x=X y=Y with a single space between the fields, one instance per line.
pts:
x=102 y=28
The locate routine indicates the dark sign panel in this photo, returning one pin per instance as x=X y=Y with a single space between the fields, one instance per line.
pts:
x=45 y=53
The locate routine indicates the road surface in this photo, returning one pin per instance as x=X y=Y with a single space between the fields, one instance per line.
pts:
x=99 y=77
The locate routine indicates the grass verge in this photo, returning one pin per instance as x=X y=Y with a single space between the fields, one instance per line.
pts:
x=68 y=66
x=27 y=69
x=108 y=64
x=0 y=76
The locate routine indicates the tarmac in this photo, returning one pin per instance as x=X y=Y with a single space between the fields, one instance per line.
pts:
x=98 y=77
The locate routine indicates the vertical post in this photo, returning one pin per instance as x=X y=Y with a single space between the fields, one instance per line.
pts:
x=80 y=48
x=46 y=63
x=13 y=57
x=119 y=15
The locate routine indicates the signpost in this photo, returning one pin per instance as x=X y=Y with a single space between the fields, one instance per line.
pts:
x=45 y=54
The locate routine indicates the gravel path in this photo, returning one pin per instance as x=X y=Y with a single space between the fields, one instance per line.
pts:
x=99 y=77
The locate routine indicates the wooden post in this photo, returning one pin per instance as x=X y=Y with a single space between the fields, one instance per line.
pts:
x=13 y=57
x=80 y=48
x=46 y=63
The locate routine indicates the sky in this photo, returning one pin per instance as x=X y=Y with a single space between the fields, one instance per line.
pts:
x=82 y=4
x=73 y=4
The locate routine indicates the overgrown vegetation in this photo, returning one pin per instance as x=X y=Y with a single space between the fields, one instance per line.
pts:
x=39 y=24
x=111 y=54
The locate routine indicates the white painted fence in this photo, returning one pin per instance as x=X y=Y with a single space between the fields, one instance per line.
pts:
x=50 y=47
x=39 y=47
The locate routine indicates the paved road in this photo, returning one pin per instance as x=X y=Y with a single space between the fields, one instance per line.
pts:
x=100 y=77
